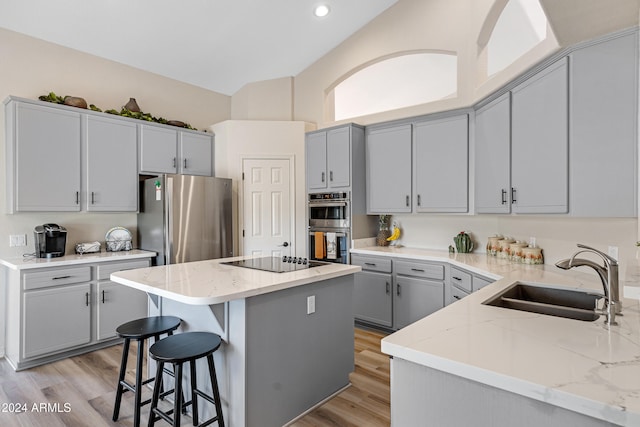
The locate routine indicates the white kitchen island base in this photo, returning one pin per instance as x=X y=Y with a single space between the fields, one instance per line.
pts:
x=276 y=361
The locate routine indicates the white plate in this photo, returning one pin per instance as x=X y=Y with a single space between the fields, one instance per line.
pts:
x=117 y=233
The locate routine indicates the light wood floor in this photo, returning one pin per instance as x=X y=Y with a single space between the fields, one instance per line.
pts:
x=86 y=385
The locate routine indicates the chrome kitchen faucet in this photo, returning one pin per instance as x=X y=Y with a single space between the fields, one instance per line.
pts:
x=608 y=273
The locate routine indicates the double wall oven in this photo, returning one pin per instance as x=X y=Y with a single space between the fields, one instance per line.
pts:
x=329 y=227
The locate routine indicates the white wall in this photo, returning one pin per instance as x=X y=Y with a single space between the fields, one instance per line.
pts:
x=236 y=139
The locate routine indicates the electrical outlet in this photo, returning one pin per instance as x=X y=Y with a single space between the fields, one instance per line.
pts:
x=17 y=240
x=311 y=304
x=613 y=252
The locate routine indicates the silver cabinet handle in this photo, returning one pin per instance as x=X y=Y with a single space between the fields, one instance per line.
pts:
x=504 y=196
x=93 y=198
x=418 y=200
x=61 y=277
x=407 y=201
x=513 y=195
x=103 y=296
x=87 y=298
x=417 y=270
x=456 y=278
x=174 y=162
x=387 y=289
x=77 y=197
x=372 y=264
x=184 y=163
x=398 y=289
x=331 y=176
x=322 y=176
x=456 y=297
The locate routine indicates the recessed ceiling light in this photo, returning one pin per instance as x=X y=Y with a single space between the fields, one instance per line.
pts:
x=321 y=10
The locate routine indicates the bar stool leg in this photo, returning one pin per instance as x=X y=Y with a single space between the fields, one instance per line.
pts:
x=156 y=392
x=123 y=371
x=194 y=400
x=216 y=390
x=138 y=390
x=177 y=405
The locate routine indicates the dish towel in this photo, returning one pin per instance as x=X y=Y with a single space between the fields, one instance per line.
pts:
x=320 y=245
x=332 y=246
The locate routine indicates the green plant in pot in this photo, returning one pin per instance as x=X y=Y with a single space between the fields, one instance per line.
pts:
x=464 y=244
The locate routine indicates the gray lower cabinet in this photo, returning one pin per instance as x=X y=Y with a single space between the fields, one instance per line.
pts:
x=419 y=291
x=539 y=142
x=57 y=312
x=372 y=296
x=165 y=150
x=462 y=283
x=43 y=158
x=111 y=170
x=440 y=165
x=603 y=128
x=394 y=293
x=388 y=166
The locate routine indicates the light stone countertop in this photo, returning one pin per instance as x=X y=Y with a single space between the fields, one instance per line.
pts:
x=585 y=367
x=26 y=263
x=210 y=282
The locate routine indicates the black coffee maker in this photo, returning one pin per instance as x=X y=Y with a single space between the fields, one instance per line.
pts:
x=50 y=240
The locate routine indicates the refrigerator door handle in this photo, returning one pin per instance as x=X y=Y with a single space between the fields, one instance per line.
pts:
x=168 y=220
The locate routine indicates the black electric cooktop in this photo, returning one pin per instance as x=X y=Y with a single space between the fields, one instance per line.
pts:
x=275 y=264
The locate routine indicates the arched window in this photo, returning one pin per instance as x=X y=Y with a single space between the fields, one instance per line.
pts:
x=401 y=81
x=516 y=27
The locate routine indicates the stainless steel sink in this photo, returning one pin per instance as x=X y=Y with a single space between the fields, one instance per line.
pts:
x=568 y=303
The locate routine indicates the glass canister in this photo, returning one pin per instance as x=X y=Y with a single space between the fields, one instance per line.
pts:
x=515 y=251
x=503 y=247
x=532 y=255
x=493 y=245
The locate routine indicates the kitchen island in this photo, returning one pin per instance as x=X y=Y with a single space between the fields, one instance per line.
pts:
x=287 y=337
x=475 y=364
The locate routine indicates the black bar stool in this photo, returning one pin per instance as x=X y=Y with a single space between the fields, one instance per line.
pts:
x=139 y=330
x=178 y=349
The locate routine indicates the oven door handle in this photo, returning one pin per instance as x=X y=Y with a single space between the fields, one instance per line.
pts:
x=338 y=233
x=327 y=204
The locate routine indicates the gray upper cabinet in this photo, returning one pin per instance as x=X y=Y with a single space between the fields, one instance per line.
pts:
x=43 y=158
x=603 y=128
x=316 y=158
x=330 y=157
x=196 y=154
x=539 y=142
x=111 y=169
x=493 y=156
x=440 y=165
x=158 y=150
x=166 y=150
x=388 y=165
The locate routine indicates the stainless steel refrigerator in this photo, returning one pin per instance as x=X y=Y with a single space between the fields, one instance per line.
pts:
x=185 y=218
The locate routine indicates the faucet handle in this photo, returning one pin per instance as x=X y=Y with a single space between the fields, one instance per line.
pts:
x=612 y=261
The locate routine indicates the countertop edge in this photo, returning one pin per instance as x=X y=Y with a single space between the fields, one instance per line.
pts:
x=99 y=257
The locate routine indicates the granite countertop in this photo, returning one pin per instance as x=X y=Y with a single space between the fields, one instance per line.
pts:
x=586 y=367
x=25 y=263
x=210 y=282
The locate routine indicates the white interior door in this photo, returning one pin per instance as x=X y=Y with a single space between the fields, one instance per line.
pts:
x=267 y=201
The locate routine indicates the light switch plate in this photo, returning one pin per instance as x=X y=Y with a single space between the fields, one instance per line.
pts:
x=17 y=240
x=311 y=304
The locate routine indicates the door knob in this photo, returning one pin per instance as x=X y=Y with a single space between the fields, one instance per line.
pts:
x=285 y=244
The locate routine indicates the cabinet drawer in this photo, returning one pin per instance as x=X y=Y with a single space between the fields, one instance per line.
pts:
x=105 y=270
x=480 y=282
x=381 y=265
x=57 y=277
x=416 y=269
x=461 y=279
x=457 y=294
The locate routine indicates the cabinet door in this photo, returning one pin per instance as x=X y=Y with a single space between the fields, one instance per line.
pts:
x=111 y=165
x=196 y=154
x=603 y=129
x=388 y=165
x=47 y=159
x=316 y=158
x=158 y=150
x=56 y=319
x=415 y=299
x=493 y=157
x=117 y=304
x=539 y=144
x=441 y=165
x=372 y=298
x=339 y=157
